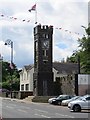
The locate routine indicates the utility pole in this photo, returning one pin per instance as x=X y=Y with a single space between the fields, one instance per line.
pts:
x=9 y=42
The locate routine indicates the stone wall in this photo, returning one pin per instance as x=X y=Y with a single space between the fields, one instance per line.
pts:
x=68 y=85
x=17 y=94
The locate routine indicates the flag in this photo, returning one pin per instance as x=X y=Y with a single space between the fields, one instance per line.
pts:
x=32 y=8
x=11 y=66
x=28 y=21
x=2 y=15
x=15 y=18
x=66 y=30
x=23 y=20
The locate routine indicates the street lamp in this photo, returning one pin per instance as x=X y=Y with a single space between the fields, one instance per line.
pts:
x=9 y=42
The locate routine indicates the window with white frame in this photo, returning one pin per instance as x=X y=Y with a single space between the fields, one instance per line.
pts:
x=21 y=77
x=27 y=87
x=22 y=87
x=24 y=76
x=28 y=75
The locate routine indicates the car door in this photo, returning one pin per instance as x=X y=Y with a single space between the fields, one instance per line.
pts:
x=86 y=103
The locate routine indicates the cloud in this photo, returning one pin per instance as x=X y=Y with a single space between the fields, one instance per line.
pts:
x=68 y=15
x=25 y=53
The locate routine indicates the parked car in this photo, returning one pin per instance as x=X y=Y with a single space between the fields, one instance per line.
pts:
x=83 y=103
x=0 y=118
x=50 y=100
x=65 y=102
x=58 y=100
x=4 y=90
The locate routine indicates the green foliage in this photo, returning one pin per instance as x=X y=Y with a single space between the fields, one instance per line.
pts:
x=84 y=44
x=15 y=85
x=10 y=77
x=5 y=71
x=57 y=87
x=6 y=85
x=83 y=53
x=73 y=58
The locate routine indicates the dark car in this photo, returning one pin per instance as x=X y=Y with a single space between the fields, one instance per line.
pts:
x=60 y=98
x=4 y=90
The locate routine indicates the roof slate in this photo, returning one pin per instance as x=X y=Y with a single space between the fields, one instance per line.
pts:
x=60 y=67
x=65 y=67
x=28 y=67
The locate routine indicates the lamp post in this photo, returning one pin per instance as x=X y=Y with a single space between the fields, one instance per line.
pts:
x=9 y=42
x=78 y=64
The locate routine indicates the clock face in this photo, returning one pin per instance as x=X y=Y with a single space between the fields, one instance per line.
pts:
x=46 y=44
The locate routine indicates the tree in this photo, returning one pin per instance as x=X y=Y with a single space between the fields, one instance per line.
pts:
x=73 y=58
x=10 y=76
x=84 y=51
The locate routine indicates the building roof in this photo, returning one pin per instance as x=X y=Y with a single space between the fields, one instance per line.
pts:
x=28 y=67
x=65 y=67
x=60 y=67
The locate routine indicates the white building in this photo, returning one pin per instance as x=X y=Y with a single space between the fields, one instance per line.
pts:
x=26 y=78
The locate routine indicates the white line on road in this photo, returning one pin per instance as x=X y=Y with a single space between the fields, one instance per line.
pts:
x=41 y=111
x=26 y=108
x=42 y=115
x=45 y=116
x=22 y=110
x=13 y=105
x=9 y=107
x=64 y=115
x=37 y=114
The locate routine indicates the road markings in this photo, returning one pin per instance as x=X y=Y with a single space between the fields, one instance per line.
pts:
x=22 y=110
x=37 y=114
x=42 y=115
x=13 y=105
x=26 y=108
x=41 y=111
x=9 y=107
x=64 y=115
x=45 y=116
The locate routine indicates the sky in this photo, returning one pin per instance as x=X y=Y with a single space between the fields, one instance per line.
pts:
x=68 y=15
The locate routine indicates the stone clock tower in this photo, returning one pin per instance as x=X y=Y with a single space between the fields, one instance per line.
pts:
x=43 y=75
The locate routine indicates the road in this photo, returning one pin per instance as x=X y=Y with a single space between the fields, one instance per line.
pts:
x=15 y=109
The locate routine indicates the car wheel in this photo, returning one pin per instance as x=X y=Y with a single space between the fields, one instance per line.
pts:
x=77 y=108
x=59 y=103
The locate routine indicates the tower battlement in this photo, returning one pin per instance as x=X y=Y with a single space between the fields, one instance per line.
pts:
x=42 y=28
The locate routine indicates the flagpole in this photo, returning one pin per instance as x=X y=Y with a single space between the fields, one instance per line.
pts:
x=34 y=9
x=35 y=16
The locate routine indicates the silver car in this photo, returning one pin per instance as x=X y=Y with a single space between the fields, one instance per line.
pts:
x=65 y=102
x=83 y=103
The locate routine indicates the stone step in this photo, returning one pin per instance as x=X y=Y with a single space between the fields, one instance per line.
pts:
x=29 y=98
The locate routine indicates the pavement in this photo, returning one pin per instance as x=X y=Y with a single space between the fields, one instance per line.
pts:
x=18 y=100
x=14 y=99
